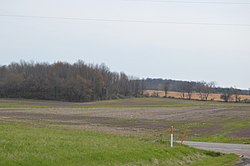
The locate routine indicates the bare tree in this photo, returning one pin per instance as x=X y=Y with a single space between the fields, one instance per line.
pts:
x=227 y=94
x=182 y=89
x=204 y=89
x=166 y=88
x=142 y=86
x=236 y=93
x=135 y=86
x=187 y=87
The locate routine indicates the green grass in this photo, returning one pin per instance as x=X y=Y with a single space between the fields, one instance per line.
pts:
x=120 y=103
x=225 y=135
x=32 y=145
x=220 y=138
x=225 y=160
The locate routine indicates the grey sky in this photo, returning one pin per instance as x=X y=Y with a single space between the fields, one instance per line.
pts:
x=173 y=51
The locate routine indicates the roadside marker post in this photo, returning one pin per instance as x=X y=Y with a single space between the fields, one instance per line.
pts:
x=184 y=135
x=171 y=136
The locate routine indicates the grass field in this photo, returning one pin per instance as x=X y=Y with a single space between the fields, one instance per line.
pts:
x=30 y=145
x=117 y=132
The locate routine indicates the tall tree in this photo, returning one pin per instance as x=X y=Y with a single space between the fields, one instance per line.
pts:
x=166 y=87
x=227 y=94
x=236 y=94
x=204 y=89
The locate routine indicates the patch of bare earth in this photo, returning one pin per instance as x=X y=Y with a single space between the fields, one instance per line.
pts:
x=207 y=130
x=242 y=133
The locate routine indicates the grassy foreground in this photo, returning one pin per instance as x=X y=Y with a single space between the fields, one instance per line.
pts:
x=31 y=145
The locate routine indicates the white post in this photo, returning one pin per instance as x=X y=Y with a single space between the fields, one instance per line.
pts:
x=171 y=136
x=172 y=140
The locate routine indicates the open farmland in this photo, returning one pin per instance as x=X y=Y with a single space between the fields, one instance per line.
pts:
x=195 y=96
x=151 y=117
x=143 y=121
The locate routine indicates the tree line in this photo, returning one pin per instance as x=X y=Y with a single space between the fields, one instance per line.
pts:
x=202 y=88
x=63 y=81
x=90 y=82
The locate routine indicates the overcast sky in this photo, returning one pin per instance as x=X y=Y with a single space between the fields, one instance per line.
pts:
x=153 y=48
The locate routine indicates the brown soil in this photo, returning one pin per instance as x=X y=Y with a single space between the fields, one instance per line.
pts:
x=243 y=133
x=200 y=120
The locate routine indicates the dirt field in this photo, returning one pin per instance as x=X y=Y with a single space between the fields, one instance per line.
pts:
x=217 y=122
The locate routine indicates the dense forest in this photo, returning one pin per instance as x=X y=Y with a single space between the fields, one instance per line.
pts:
x=88 y=82
x=64 y=81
